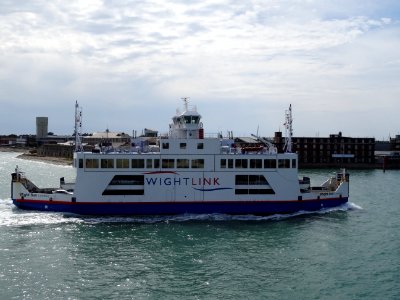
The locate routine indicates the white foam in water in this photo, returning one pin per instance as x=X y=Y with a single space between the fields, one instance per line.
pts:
x=353 y=206
x=12 y=216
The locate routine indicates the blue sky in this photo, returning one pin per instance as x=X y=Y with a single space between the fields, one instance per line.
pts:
x=242 y=63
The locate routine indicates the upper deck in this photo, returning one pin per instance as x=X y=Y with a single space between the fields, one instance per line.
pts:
x=185 y=147
x=155 y=161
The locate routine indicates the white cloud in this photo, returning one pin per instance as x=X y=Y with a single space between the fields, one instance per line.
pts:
x=121 y=56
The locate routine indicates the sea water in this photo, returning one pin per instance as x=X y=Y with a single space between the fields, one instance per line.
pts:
x=350 y=252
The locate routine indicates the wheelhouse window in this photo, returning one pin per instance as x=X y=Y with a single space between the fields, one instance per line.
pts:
x=165 y=145
x=122 y=163
x=200 y=145
x=182 y=145
x=168 y=163
x=182 y=163
x=191 y=119
x=195 y=120
x=197 y=163
x=80 y=163
x=137 y=163
x=107 y=163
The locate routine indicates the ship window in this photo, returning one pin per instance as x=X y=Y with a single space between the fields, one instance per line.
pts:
x=241 y=180
x=200 y=145
x=182 y=163
x=257 y=180
x=92 y=163
x=223 y=163
x=122 y=163
x=80 y=163
x=250 y=180
x=261 y=191
x=197 y=163
x=137 y=163
x=165 y=145
x=127 y=180
x=168 y=163
x=195 y=120
x=230 y=163
x=107 y=163
x=254 y=191
x=182 y=145
x=269 y=163
x=241 y=163
x=241 y=191
x=255 y=163
x=124 y=181
x=149 y=163
x=283 y=163
x=156 y=163
x=187 y=119
x=294 y=165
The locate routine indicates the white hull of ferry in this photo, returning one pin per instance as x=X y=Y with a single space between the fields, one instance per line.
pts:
x=158 y=192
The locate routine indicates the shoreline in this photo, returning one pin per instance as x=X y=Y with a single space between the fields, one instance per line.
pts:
x=46 y=159
x=13 y=149
x=24 y=154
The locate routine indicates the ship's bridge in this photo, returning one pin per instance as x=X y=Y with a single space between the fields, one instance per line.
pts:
x=186 y=124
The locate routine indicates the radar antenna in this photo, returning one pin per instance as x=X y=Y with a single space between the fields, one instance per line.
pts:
x=288 y=130
x=78 y=128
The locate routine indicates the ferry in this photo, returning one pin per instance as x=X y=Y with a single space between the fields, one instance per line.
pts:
x=184 y=172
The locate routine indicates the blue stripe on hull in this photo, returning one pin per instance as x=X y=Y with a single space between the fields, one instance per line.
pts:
x=173 y=208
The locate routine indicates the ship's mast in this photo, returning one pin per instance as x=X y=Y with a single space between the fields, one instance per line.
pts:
x=185 y=102
x=78 y=128
x=288 y=130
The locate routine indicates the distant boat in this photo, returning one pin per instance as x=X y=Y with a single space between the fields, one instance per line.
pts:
x=185 y=172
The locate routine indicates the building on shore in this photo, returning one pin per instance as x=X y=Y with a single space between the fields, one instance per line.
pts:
x=115 y=139
x=42 y=127
x=395 y=143
x=335 y=150
x=387 y=153
x=65 y=150
x=19 y=141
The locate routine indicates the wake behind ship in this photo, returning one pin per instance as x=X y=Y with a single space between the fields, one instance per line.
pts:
x=184 y=172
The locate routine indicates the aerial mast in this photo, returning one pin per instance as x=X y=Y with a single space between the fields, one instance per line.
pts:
x=288 y=130
x=185 y=101
x=78 y=128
